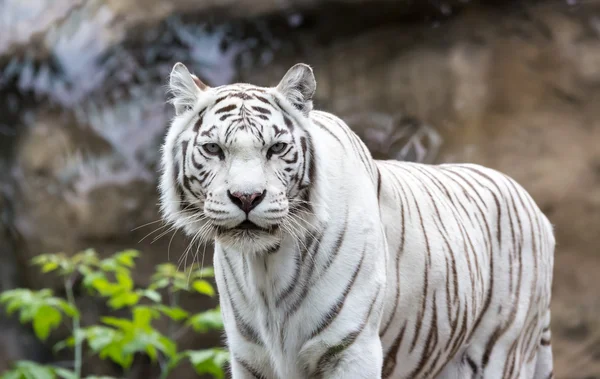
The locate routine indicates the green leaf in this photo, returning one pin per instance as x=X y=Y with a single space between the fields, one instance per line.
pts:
x=142 y=316
x=174 y=313
x=109 y=343
x=209 y=361
x=111 y=265
x=124 y=299
x=126 y=257
x=69 y=309
x=100 y=337
x=49 y=266
x=92 y=278
x=30 y=370
x=104 y=287
x=152 y=295
x=65 y=374
x=203 y=287
x=159 y=283
x=40 y=372
x=12 y=374
x=52 y=262
x=149 y=341
x=116 y=354
x=167 y=346
x=205 y=321
x=60 y=345
x=86 y=257
x=45 y=320
x=166 y=270
x=27 y=314
x=124 y=280
x=39 y=307
x=206 y=272
x=119 y=323
x=12 y=307
x=180 y=283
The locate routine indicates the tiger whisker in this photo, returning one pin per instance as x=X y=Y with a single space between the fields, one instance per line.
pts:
x=164 y=226
x=173 y=227
x=146 y=224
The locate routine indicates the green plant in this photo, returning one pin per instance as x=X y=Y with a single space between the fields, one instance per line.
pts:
x=117 y=339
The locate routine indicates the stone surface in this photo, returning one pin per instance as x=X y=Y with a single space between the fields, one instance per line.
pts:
x=33 y=22
x=517 y=92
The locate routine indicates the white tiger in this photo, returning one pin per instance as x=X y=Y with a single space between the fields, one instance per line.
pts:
x=331 y=264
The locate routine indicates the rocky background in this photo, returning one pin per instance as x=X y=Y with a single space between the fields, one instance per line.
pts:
x=514 y=85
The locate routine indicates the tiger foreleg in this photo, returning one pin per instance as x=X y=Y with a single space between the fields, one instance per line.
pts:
x=246 y=369
x=362 y=359
x=240 y=370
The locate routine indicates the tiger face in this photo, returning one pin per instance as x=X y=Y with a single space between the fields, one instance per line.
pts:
x=237 y=159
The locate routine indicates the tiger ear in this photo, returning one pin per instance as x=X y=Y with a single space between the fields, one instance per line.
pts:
x=185 y=88
x=298 y=86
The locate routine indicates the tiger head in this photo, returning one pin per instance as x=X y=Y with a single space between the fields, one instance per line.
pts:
x=237 y=161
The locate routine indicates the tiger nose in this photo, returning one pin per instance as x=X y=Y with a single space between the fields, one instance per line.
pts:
x=246 y=201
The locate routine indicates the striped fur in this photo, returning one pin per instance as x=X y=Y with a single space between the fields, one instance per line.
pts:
x=357 y=268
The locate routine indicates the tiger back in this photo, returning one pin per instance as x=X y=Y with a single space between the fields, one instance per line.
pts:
x=480 y=306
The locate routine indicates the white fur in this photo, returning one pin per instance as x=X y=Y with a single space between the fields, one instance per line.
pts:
x=426 y=271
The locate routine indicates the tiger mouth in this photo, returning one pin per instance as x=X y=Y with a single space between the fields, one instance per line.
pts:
x=248 y=226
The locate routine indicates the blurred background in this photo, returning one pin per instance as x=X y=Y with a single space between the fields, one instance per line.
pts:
x=514 y=85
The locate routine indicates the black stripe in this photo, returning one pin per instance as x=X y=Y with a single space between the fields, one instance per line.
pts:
x=304 y=148
x=471 y=364
x=402 y=199
x=327 y=361
x=378 y=184
x=251 y=370
x=333 y=253
x=339 y=304
x=303 y=292
x=500 y=330
x=425 y=275
x=288 y=122
x=207 y=133
x=235 y=278
x=355 y=141
x=246 y=331
x=326 y=129
x=198 y=123
x=430 y=343
x=220 y=99
x=389 y=363
x=263 y=99
x=545 y=342
x=241 y=95
x=293 y=282
x=226 y=108
x=261 y=110
x=197 y=165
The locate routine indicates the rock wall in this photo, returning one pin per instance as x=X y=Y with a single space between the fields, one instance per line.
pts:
x=516 y=91
x=513 y=87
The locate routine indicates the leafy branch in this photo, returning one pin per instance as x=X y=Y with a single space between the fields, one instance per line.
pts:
x=117 y=339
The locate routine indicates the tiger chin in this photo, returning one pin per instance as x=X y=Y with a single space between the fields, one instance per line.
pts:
x=331 y=264
x=248 y=237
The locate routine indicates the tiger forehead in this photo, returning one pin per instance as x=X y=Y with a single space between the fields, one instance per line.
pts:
x=243 y=92
x=247 y=111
